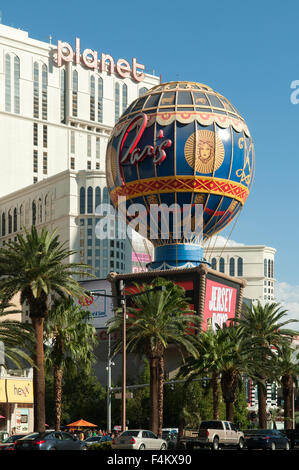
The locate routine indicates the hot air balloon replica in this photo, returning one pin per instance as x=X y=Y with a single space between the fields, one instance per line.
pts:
x=182 y=145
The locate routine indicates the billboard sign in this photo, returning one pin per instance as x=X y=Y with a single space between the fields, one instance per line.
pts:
x=220 y=302
x=99 y=304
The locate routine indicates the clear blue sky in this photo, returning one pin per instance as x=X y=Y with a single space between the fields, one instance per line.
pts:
x=248 y=51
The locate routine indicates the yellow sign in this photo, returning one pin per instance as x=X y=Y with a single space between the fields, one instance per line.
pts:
x=19 y=391
x=2 y=391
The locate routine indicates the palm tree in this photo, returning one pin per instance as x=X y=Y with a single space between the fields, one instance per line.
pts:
x=205 y=362
x=36 y=266
x=233 y=362
x=288 y=370
x=262 y=327
x=71 y=341
x=14 y=337
x=223 y=354
x=157 y=319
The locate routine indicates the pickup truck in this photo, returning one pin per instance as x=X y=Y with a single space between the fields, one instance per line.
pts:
x=215 y=434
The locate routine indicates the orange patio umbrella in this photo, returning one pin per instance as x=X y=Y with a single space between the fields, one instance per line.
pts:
x=81 y=424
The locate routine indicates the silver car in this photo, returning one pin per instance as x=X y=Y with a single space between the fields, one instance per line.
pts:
x=138 y=439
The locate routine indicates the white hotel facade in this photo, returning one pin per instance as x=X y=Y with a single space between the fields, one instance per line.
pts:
x=58 y=106
x=254 y=263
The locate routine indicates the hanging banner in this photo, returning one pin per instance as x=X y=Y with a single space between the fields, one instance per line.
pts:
x=99 y=303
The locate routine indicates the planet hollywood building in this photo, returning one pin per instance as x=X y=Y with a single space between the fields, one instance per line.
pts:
x=59 y=104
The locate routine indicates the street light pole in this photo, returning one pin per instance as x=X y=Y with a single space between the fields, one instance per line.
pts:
x=109 y=386
x=124 y=358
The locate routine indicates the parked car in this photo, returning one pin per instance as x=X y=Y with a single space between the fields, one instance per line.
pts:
x=138 y=439
x=50 y=440
x=267 y=439
x=96 y=440
x=9 y=442
x=215 y=434
x=169 y=434
x=292 y=435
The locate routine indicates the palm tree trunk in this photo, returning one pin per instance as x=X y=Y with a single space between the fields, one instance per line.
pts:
x=154 y=381
x=215 y=396
x=229 y=407
x=161 y=395
x=287 y=390
x=57 y=396
x=40 y=412
x=229 y=384
x=262 y=403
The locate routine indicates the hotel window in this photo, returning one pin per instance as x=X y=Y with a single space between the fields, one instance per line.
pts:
x=3 y=224
x=269 y=268
x=62 y=95
x=240 y=267
x=44 y=92
x=47 y=208
x=9 y=221
x=52 y=215
x=35 y=134
x=105 y=196
x=272 y=268
x=33 y=213
x=97 y=197
x=98 y=147
x=214 y=263
x=231 y=267
x=88 y=164
x=75 y=93
x=45 y=163
x=97 y=166
x=89 y=145
x=89 y=200
x=35 y=90
x=22 y=222
x=40 y=211
x=92 y=98
x=15 y=220
x=45 y=136
x=73 y=147
x=221 y=265
x=125 y=97
x=100 y=99
x=35 y=161
x=7 y=83
x=265 y=267
x=117 y=102
x=72 y=163
x=82 y=200
x=16 y=85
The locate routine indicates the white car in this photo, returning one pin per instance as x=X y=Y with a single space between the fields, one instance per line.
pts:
x=138 y=439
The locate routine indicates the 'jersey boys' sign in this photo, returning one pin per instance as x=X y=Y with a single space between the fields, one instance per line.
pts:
x=220 y=304
x=104 y=62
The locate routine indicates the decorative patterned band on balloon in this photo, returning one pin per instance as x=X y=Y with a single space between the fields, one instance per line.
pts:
x=194 y=184
x=204 y=118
